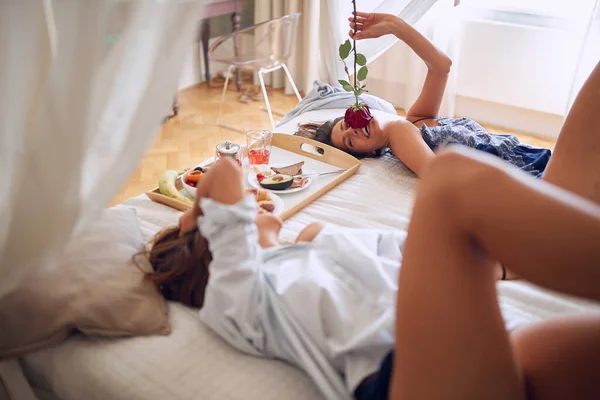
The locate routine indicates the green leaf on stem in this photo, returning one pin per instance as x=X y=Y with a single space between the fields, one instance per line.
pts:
x=346 y=85
x=362 y=73
x=361 y=59
x=345 y=49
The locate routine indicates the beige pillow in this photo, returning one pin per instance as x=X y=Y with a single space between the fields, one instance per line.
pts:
x=96 y=289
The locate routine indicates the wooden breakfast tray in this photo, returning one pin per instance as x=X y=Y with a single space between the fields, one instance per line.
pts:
x=288 y=149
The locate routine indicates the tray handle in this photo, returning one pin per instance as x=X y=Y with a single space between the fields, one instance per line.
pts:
x=325 y=153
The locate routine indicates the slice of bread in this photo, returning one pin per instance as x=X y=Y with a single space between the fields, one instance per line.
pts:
x=294 y=169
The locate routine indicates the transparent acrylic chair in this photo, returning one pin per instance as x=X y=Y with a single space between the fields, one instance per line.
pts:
x=263 y=47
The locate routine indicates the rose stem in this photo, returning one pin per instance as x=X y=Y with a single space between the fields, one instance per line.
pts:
x=354 y=45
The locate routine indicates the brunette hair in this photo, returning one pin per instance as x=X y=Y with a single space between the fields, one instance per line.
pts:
x=180 y=265
x=321 y=132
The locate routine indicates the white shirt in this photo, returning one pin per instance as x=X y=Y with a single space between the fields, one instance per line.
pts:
x=327 y=307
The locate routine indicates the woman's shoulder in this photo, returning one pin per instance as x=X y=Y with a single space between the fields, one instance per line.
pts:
x=401 y=124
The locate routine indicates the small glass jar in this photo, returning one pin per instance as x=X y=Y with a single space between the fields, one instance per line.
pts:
x=229 y=149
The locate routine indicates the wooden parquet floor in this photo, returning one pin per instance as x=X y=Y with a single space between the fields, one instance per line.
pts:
x=191 y=137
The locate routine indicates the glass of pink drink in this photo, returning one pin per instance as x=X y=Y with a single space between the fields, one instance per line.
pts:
x=259 y=146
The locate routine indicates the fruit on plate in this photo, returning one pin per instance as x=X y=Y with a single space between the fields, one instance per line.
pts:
x=277 y=182
x=194 y=177
x=259 y=194
x=262 y=195
x=166 y=185
x=263 y=169
x=263 y=198
x=294 y=169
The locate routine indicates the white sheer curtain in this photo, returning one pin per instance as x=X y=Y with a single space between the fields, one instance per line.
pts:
x=83 y=88
x=323 y=27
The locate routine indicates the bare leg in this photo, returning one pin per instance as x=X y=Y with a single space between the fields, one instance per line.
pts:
x=451 y=340
x=561 y=354
x=575 y=164
x=560 y=358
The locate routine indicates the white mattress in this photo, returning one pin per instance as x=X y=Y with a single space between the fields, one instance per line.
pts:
x=193 y=363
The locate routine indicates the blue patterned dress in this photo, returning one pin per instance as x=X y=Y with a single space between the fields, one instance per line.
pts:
x=469 y=133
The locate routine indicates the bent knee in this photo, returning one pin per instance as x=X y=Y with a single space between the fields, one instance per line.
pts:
x=457 y=177
x=459 y=164
x=310 y=232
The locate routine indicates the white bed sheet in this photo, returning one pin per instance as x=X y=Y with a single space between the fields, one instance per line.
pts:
x=193 y=363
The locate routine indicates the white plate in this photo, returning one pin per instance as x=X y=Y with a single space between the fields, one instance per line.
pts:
x=278 y=203
x=276 y=200
x=254 y=183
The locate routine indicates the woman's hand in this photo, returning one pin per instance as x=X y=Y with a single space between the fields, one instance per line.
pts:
x=268 y=226
x=372 y=25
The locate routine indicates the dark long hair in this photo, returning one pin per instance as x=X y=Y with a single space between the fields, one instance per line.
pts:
x=180 y=265
x=321 y=132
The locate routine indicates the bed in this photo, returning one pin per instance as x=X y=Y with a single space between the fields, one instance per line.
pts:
x=193 y=363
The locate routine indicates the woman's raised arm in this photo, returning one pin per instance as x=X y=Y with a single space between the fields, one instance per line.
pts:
x=374 y=25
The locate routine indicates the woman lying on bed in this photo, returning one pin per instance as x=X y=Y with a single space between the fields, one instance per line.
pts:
x=326 y=304
x=414 y=139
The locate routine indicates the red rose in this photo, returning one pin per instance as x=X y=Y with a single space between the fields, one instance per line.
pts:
x=358 y=118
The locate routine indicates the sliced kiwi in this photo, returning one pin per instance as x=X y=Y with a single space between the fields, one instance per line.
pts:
x=277 y=182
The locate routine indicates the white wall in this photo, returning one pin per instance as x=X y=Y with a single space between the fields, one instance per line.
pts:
x=192 y=72
x=521 y=66
x=514 y=76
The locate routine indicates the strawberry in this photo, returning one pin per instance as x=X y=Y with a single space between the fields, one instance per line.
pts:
x=260 y=177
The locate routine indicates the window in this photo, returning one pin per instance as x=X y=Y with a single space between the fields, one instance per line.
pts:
x=546 y=13
x=549 y=8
